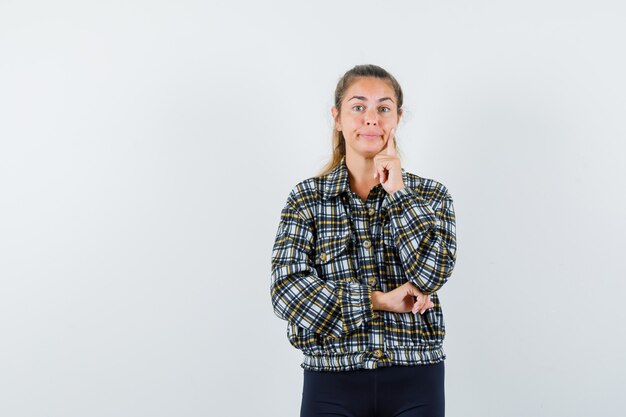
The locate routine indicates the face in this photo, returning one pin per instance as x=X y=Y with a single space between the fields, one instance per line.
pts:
x=368 y=112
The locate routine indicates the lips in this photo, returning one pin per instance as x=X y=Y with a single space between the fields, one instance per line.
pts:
x=371 y=135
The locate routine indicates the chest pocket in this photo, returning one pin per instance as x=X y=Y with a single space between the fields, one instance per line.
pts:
x=333 y=256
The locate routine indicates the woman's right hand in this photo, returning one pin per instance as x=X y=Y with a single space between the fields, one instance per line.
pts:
x=402 y=300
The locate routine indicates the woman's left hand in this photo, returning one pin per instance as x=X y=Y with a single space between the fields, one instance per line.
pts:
x=402 y=300
x=387 y=165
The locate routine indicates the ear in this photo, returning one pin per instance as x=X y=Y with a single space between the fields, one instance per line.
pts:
x=400 y=113
x=335 y=113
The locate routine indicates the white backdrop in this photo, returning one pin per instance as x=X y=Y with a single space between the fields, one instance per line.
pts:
x=147 y=148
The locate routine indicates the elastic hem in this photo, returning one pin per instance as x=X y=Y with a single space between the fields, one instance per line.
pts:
x=396 y=355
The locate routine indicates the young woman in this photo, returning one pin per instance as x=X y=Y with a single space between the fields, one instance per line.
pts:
x=360 y=253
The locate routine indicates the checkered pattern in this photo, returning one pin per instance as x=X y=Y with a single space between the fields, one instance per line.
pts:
x=332 y=250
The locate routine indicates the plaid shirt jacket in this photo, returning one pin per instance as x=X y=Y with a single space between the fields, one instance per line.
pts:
x=332 y=250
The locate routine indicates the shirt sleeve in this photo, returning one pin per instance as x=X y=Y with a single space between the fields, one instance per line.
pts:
x=299 y=295
x=426 y=239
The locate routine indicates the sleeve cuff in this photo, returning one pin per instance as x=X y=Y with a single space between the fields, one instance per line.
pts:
x=402 y=196
x=356 y=305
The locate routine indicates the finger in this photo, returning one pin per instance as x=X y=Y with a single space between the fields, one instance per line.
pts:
x=417 y=294
x=430 y=304
x=416 y=306
x=424 y=307
x=420 y=302
x=389 y=134
x=391 y=143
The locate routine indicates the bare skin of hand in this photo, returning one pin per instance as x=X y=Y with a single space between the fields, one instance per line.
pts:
x=402 y=300
x=387 y=165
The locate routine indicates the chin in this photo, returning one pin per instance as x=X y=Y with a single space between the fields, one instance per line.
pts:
x=368 y=153
x=367 y=150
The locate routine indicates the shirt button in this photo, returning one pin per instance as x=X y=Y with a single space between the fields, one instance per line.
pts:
x=437 y=222
x=372 y=281
x=367 y=244
x=375 y=315
x=371 y=211
x=322 y=256
x=378 y=353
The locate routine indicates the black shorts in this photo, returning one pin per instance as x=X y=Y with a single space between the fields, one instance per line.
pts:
x=392 y=391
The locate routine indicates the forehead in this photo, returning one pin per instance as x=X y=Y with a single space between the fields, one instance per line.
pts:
x=371 y=88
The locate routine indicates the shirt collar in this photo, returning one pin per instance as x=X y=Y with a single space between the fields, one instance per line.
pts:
x=337 y=180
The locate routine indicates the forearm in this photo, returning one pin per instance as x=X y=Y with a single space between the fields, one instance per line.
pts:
x=425 y=236
x=378 y=300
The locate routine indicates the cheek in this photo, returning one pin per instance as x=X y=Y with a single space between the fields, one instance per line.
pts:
x=347 y=128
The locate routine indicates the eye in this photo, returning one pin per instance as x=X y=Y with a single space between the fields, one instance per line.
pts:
x=387 y=109
x=357 y=105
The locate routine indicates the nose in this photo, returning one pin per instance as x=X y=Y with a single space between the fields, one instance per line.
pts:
x=371 y=117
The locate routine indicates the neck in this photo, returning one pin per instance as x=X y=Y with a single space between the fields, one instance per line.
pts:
x=361 y=173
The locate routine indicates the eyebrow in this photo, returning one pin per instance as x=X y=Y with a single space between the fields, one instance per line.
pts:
x=365 y=99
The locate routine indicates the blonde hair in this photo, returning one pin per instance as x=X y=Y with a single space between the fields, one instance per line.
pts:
x=338 y=140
